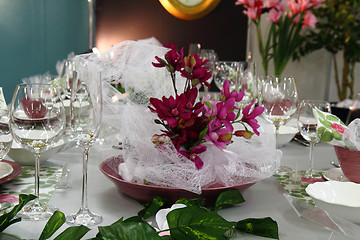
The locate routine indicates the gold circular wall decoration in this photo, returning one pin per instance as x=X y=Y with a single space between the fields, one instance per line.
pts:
x=189 y=9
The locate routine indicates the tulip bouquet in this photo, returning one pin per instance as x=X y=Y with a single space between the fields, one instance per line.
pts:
x=189 y=124
x=288 y=19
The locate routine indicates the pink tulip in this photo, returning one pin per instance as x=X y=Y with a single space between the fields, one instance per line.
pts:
x=274 y=15
x=271 y=3
x=309 y=19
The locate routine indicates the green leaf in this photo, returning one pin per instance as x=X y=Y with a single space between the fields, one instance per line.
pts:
x=321 y=130
x=197 y=202
x=155 y=205
x=326 y=136
x=197 y=223
x=129 y=229
x=7 y=219
x=73 y=233
x=320 y=114
x=208 y=104
x=53 y=224
x=228 y=198
x=337 y=135
x=326 y=123
x=264 y=227
x=332 y=118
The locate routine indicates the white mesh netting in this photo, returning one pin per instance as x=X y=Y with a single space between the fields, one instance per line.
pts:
x=126 y=119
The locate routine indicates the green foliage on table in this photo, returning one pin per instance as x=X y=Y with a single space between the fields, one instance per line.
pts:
x=10 y=218
x=338 y=29
x=192 y=222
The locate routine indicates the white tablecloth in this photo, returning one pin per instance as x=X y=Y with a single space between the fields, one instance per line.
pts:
x=262 y=200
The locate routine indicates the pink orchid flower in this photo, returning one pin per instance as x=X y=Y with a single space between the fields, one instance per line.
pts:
x=193 y=155
x=225 y=92
x=249 y=118
x=220 y=138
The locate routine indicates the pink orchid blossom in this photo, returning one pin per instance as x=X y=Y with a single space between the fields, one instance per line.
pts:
x=249 y=118
x=310 y=19
x=193 y=155
x=220 y=138
x=225 y=92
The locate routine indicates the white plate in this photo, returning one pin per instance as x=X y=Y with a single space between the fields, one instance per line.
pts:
x=335 y=174
x=5 y=169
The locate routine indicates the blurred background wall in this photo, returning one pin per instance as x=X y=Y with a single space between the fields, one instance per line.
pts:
x=35 y=34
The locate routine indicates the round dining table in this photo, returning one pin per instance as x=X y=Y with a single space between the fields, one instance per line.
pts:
x=264 y=199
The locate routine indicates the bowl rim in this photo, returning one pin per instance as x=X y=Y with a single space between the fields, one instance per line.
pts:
x=311 y=187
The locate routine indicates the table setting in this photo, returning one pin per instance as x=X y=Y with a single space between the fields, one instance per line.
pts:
x=159 y=140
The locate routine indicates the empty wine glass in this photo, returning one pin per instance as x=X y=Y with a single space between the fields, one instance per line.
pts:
x=279 y=99
x=226 y=70
x=307 y=124
x=248 y=83
x=5 y=143
x=85 y=114
x=37 y=121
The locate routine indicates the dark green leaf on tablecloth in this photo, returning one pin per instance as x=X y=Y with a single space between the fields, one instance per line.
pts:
x=73 y=233
x=153 y=207
x=197 y=223
x=197 y=202
x=130 y=229
x=52 y=225
x=7 y=219
x=228 y=199
x=264 y=227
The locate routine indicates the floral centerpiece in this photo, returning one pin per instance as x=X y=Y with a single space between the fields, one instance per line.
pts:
x=288 y=21
x=189 y=124
x=195 y=144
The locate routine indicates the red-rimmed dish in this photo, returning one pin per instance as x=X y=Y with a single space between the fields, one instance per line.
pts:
x=16 y=171
x=146 y=193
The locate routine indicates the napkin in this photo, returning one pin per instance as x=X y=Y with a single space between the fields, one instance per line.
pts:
x=333 y=131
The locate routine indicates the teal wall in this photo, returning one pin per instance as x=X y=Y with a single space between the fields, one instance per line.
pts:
x=34 y=34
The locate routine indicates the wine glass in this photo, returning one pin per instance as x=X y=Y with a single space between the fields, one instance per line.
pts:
x=307 y=124
x=209 y=54
x=226 y=70
x=248 y=83
x=37 y=121
x=279 y=100
x=6 y=140
x=85 y=118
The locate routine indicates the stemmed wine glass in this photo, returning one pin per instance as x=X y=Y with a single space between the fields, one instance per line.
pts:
x=279 y=99
x=307 y=124
x=37 y=121
x=226 y=70
x=85 y=117
x=5 y=143
x=248 y=83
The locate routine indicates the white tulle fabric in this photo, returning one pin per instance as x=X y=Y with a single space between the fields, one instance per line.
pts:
x=127 y=119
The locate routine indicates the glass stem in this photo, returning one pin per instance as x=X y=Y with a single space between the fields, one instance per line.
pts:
x=276 y=135
x=37 y=178
x=84 y=203
x=311 y=159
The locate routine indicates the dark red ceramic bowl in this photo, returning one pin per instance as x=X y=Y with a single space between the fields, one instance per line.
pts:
x=146 y=193
x=349 y=162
